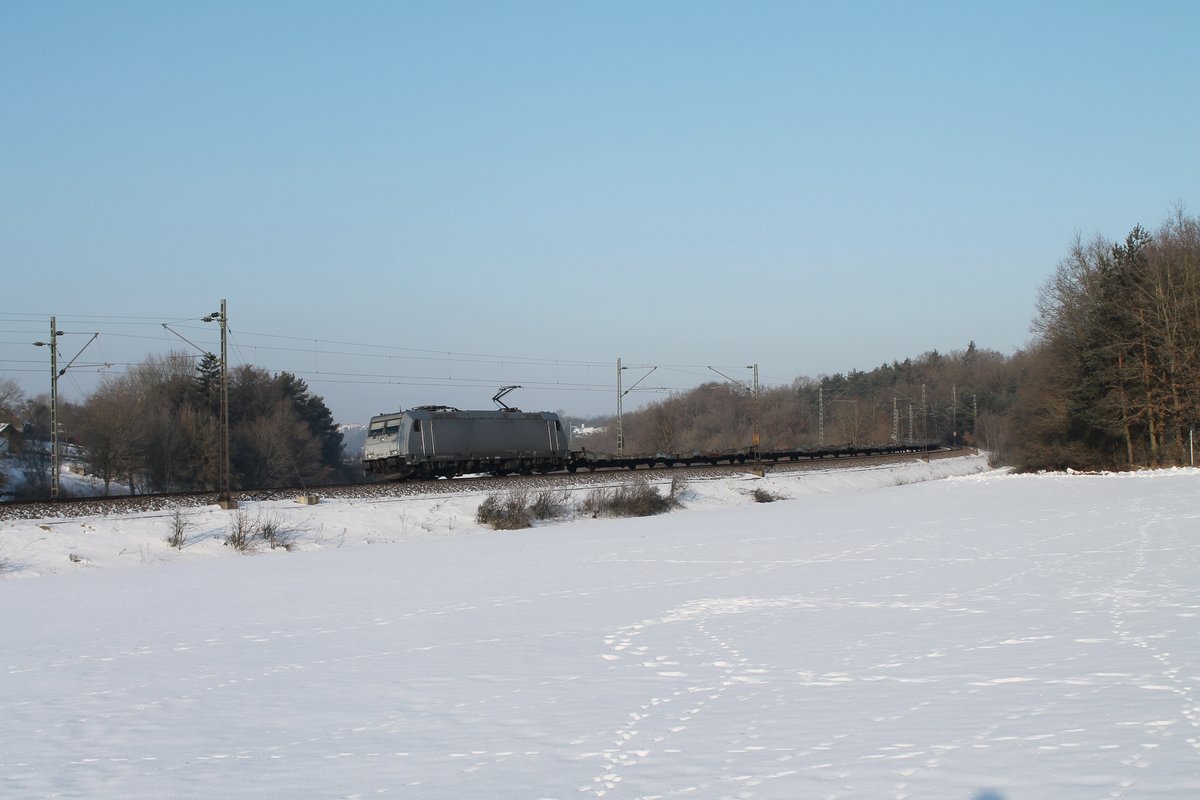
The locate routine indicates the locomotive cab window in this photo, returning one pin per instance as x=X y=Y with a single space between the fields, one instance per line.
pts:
x=384 y=427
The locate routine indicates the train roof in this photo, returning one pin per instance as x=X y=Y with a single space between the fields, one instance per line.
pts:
x=447 y=412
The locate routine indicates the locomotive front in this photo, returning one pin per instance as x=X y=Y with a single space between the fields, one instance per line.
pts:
x=385 y=452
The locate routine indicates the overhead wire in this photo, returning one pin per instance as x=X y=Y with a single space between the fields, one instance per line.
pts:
x=323 y=350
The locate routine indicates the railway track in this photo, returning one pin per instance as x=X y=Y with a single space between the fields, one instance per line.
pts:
x=132 y=504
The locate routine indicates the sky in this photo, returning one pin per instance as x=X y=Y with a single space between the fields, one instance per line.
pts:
x=874 y=634
x=414 y=203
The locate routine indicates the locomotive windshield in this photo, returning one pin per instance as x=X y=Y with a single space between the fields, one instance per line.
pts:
x=384 y=427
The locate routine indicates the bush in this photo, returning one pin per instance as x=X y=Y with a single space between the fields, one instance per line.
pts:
x=514 y=510
x=761 y=495
x=179 y=529
x=246 y=533
x=550 y=505
x=241 y=532
x=505 y=512
x=276 y=534
x=635 y=499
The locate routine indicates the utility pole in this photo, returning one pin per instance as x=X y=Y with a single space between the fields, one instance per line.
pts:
x=225 y=498
x=924 y=416
x=54 y=454
x=55 y=374
x=820 y=416
x=954 y=412
x=756 y=440
x=895 y=421
x=225 y=495
x=620 y=396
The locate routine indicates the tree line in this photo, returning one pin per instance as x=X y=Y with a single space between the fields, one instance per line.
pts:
x=1110 y=379
x=157 y=428
x=1113 y=377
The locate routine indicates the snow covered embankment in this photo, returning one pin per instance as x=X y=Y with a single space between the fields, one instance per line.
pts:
x=33 y=548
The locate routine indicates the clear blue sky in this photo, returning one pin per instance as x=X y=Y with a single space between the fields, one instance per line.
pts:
x=410 y=203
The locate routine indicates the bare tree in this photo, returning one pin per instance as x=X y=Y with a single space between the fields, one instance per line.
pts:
x=11 y=398
x=108 y=427
x=663 y=417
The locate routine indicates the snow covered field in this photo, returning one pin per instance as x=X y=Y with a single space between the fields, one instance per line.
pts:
x=879 y=635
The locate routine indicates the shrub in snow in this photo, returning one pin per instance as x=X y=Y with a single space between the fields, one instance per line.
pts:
x=505 y=512
x=240 y=535
x=635 y=499
x=550 y=505
x=247 y=533
x=277 y=534
x=514 y=510
x=761 y=495
x=179 y=528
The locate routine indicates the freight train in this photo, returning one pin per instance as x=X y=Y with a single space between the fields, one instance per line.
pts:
x=444 y=442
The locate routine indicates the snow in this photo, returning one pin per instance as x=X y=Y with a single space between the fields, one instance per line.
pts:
x=925 y=631
x=587 y=430
x=73 y=479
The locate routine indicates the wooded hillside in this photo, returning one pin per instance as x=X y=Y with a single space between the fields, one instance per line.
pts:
x=959 y=397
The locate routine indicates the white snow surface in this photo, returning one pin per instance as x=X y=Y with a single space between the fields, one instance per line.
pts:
x=919 y=631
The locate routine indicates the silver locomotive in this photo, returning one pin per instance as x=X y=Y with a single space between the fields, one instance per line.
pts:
x=439 y=441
